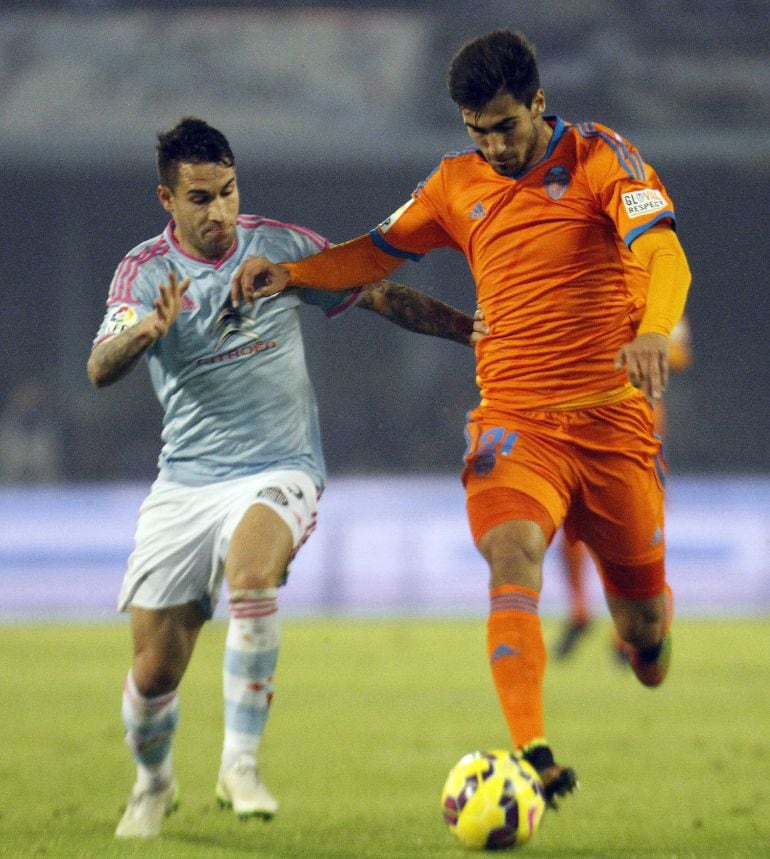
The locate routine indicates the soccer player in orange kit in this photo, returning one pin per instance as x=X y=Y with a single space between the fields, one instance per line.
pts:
x=580 y=278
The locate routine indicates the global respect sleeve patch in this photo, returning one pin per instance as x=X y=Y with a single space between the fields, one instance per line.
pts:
x=643 y=202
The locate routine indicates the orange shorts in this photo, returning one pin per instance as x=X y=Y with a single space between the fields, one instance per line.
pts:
x=598 y=471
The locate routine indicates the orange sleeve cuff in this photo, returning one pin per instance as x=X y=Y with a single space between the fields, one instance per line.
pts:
x=354 y=263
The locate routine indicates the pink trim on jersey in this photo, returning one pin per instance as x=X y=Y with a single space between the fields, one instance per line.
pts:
x=120 y=290
x=251 y=222
x=341 y=308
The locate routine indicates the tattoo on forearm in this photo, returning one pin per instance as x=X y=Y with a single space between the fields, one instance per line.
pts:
x=417 y=311
x=116 y=357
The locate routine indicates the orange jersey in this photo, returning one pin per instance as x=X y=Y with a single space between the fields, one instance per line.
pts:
x=549 y=252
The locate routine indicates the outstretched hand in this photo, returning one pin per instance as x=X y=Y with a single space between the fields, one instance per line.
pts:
x=167 y=306
x=646 y=359
x=255 y=278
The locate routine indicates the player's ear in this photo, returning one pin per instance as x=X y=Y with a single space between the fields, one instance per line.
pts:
x=165 y=198
x=538 y=103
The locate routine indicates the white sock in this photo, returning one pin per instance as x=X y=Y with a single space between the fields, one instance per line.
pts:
x=251 y=655
x=150 y=727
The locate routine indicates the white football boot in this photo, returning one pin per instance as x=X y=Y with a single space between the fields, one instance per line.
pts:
x=241 y=788
x=146 y=810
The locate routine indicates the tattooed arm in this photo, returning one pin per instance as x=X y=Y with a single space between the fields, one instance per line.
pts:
x=420 y=313
x=113 y=359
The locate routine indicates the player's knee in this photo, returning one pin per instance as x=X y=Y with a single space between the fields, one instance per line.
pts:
x=246 y=577
x=156 y=677
x=640 y=624
x=514 y=552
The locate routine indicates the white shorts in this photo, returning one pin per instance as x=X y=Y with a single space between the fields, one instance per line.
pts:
x=184 y=532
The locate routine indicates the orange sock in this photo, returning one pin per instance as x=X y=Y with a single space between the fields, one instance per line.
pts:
x=517 y=657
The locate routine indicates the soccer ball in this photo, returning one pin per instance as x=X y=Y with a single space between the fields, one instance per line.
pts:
x=493 y=800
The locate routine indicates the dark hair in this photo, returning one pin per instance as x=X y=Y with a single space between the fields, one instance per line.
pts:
x=500 y=60
x=190 y=141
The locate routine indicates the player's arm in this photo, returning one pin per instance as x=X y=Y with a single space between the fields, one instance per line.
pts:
x=646 y=356
x=680 y=352
x=421 y=313
x=114 y=358
x=344 y=266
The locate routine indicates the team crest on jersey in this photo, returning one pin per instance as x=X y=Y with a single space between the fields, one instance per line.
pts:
x=484 y=463
x=643 y=202
x=122 y=317
x=230 y=323
x=556 y=182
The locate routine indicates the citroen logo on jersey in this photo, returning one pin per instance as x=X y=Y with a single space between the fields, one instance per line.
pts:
x=230 y=323
x=478 y=211
x=556 y=182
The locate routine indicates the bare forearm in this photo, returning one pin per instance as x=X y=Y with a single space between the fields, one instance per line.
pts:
x=113 y=359
x=416 y=311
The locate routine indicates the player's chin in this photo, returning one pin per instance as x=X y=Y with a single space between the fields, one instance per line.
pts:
x=505 y=168
x=217 y=245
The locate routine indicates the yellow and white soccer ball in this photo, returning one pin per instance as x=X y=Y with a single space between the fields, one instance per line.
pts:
x=493 y=800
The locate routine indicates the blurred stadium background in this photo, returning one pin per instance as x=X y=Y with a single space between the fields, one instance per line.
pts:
x=335 y=112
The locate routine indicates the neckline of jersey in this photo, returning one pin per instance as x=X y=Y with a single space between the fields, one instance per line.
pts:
x=215 y=264
x=559 y=127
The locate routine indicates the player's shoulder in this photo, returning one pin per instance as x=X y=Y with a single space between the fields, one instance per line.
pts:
x=272 y=233
x=596 y=141
x=145 y=252
x=141 y=265
x=458 y=155
x=593 y=132
x=452 y=163
x=145 y=259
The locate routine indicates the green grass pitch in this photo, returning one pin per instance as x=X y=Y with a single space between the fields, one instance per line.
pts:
x=368 y=717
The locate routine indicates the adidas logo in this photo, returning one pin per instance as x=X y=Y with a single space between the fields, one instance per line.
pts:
x=503 y=650
x=478 y=211
x=657 y=537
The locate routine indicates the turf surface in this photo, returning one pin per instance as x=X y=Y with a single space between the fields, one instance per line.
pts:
x=368 y=717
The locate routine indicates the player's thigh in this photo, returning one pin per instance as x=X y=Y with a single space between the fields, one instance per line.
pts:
x=260 y=549
x=515 y=474
x=264 y=537
x=620 y=512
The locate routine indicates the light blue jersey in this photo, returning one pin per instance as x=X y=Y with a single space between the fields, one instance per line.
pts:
x=233 y=384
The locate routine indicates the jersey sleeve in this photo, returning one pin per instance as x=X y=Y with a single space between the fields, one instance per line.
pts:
x=628 y=188
x=131 y=297
x=331 y=303
x=416 y=227
x=308 y=244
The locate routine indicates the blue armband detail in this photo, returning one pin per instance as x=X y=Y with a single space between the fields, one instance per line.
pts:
x=388 y=248
x=642 y=228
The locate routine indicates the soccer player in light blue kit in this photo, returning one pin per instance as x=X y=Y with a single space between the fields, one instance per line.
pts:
x=241 y=468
